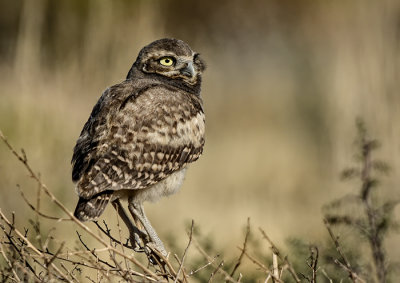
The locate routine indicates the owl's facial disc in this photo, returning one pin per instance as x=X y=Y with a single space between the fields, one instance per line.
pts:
x=175 y=67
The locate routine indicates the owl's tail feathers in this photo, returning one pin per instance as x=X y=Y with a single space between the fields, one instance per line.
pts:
x=91 y=209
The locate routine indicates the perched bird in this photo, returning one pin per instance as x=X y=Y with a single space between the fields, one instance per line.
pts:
x=141 y=135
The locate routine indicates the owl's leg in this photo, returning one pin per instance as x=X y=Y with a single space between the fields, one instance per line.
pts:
x=134 y=233
x=137 y=211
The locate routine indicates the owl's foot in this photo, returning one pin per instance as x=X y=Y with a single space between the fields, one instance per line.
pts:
x=135 y=234
x=155 y=242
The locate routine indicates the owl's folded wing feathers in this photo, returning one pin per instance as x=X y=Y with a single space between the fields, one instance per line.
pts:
x=136 y=139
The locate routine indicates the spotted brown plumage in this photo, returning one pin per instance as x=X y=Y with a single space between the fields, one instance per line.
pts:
x=143 y=132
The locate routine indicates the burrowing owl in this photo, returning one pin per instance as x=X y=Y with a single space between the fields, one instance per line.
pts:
x=142 y=134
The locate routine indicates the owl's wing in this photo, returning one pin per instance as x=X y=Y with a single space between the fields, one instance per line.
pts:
x=86 y=150
x=146 y=137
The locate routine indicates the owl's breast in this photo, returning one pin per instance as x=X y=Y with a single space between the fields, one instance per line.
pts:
x=192 y=130
x=175 y=128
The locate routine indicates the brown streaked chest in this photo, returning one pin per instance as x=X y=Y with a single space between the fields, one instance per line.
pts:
x=164 y=118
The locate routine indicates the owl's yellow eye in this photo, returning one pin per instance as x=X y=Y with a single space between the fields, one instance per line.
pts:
x=166 y=61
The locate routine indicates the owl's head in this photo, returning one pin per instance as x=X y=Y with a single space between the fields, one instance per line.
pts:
x=171 y=58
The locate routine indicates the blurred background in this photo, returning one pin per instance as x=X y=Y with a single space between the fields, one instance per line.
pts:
x=285 y=82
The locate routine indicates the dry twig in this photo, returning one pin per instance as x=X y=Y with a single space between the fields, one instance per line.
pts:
x=239 y=261
x=276 y=251
x=346 y=265
x=184 y=255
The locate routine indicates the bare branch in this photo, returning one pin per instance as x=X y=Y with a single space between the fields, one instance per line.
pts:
x=215 y=271
x=263 y=267
x=36 y=210
x=204 y=266
x=276 y=251
x=210 y=259
x=9 y=264
x=352 y=274
x=239 y=261
x=185 y=252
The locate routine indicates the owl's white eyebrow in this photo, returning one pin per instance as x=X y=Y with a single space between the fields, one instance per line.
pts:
x=162 y=54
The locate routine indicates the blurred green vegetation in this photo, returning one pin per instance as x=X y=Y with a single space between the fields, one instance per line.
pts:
x=284 y=83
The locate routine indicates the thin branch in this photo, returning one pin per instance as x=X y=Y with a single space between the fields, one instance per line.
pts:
x=209 y=259
x=263 y=267
x=92 y=251
x=204 y=266
x=9 y=264
x=346 y=265
x=55 y=254
x=19 y=250
x=107 y=232
x=326 y=275
x=239 y=261
x=215 y=271
x=122 y=247
x=275 y=267
x=276 y=251
x=184 y=253
x=184 y=275
x=37 y=210
x=314 y=263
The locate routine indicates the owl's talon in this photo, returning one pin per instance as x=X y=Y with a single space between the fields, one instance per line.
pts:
x=153 y=246
x=138 y=213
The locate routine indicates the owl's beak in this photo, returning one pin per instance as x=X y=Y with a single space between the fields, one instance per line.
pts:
x=188 y=70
